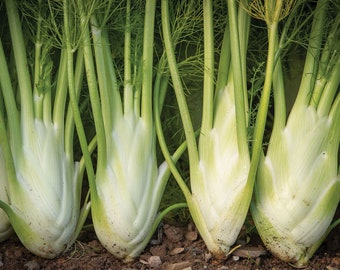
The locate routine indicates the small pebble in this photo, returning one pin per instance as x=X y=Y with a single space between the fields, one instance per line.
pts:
x=154 y=261
x=236 y=258
x=191 y=236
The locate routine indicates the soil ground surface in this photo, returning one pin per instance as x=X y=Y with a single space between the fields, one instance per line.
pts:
x=179 y=248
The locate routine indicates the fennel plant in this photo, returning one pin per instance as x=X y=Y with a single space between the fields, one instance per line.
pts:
x=127 y=185
x=44 y=182
x=219 y=164
x=297 y=189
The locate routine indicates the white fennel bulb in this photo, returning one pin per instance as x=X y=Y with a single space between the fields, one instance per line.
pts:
x=44 y=205
x=129 y=189
x=223 y=191
x=298 y=186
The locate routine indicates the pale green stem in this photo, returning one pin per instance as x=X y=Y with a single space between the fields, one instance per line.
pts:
x=279 y=96
x=27 y=113
x=164 y=80
x=73 y=99
x=7 y=153
x=13 y=117
x=99 y=44
x=136 y=81
x=69 y=122
x=159 y=94
x=93 y=91
x=178 y=87
x=326 y=85
x=47 y=97
x=264 y=102
x=128 y=89
x=243 y=30
x=61 y=95
x=208 y=79
x=147 y=61
x=224 y=63
x=113 y=91
x=330 y=90
x=313 y=52
x=38 y=96
x=236 y=67
x=12 y=121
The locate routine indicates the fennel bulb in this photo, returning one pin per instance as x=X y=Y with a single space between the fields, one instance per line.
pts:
x=298 y=186
x=297 y=189
x=44 y=205
x=223 y=189
x=129 y=189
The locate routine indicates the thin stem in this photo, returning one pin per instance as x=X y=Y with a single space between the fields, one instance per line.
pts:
x=243 y=30
x=236 y=67
x=326 y=85
x=93 y=90
x=47 y=93
x=7 y=153
x=61 y=94
x=113 y=94
x=73 y=100
x=313 y=53
x=128 y=89
x=157 y=102
x=264 y=102
x=208 y=79
x=178 y=87
x=9 y=99
x=279 y=96
x=224 y=63
x=99 y=43
x=147 y=62
x=38 y=96
x=330 y=90
x=69 y=123
x=20 y=56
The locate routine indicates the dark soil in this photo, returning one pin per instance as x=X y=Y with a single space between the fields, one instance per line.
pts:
x=180 y=248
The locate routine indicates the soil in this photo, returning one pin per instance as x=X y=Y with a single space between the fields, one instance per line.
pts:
x=180 y=248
